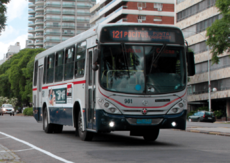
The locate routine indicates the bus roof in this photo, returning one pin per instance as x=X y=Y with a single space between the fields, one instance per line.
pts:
x=91 y=32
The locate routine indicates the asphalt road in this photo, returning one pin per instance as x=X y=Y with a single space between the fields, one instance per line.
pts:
x=24 y=137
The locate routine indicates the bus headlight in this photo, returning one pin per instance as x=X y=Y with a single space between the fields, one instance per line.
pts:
x=108 y=107
x=179 y=107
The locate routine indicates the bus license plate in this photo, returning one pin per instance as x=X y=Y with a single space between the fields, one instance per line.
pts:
x=144 y=121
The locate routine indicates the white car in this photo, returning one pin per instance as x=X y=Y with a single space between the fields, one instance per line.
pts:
x=6 y=109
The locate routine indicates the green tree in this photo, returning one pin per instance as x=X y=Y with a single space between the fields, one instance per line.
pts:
x=2 y=14
x=219 y=33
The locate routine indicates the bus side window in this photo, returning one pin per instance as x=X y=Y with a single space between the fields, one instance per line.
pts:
x=35 y=73
x=45 y=67
x=50 y=69
x=59 y=66
x=69 y=63
x=80 y=60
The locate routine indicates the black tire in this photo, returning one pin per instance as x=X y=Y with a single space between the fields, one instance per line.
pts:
x=13 y=114
x=57 y=128
x=84 y=135
x=48 y=128
x=199 y=120
x=152 y=136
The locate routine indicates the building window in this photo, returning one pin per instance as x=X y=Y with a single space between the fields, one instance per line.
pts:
x=157 y=19
x=158 y=6
x=142 y=17
x=141 y=5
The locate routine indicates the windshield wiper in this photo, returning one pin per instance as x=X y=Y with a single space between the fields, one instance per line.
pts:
x=154 y=60
x=125 y=57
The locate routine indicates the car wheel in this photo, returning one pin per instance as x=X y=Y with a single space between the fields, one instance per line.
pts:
x=84 y=135
x=13 y=114
x=199 y=120
x=48 y=128
x=151 y=136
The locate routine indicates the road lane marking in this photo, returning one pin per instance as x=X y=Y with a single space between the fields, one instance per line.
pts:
x=21 y=150
x=37 y=148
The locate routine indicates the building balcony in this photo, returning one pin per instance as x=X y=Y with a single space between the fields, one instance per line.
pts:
x=31 y=30
x=69 y=20
x=52 y=26
x=39 y=15
x=83 y=7
x=52 y=40
x=32 y=1
x=39 y=36
x=38 y=42
x=68 y=34
x=53 y=19
x=30 y=43
x=39 y=22
x=31 y=24
x=82 y=21
x=53 y=5
x=39 y=2
x=31 y=5
x=83 y=13
x=31 y=36
x=31 y=11
x=53 y=12
x=68 y=13
x=68 y=5
x=31 y=17
x=38 y=47
x=37 y=29
x=68 y=26
x=83 y=27
x=39 y=8
x=52 y=33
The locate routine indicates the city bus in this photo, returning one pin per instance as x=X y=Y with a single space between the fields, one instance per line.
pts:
x=114 y=77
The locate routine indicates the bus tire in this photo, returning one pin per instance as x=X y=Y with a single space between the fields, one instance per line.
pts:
x=84 y=135
x=48 y=128
x=152 y=136
x=57 y=128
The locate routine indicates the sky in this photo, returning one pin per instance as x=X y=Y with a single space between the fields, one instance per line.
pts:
x=17 y=26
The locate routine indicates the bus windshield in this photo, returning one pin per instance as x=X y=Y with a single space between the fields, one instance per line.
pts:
x=146 y=69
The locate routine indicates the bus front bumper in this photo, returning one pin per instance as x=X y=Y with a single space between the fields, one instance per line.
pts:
x=112 y=122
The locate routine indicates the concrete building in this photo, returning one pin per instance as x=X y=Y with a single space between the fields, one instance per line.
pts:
x=13 y=49
x=135 y=11
x=193 y=17
x=54 y=21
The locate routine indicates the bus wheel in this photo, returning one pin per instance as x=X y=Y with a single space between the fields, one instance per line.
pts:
x=152 y=136
x=84 y=135
x=48 y=128
x=57 y=128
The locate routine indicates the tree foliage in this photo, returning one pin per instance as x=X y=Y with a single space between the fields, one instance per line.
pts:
x=219 y=33
x=3 y=14
x=16 y=76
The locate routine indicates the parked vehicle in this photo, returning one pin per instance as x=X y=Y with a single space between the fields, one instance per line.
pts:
x=202 y=116
x=7 y=109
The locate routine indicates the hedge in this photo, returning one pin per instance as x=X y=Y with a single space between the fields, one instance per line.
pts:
x=28 y=111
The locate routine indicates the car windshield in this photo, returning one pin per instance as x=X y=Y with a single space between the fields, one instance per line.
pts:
x=7 y=105
x=142 y=69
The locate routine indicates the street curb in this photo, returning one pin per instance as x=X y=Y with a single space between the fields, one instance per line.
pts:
x=207 y=132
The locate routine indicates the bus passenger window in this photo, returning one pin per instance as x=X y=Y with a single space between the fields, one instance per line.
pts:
x=35 y=73
x=59 y=66
x=80 y=60
x=50 y=69
x=69 y=53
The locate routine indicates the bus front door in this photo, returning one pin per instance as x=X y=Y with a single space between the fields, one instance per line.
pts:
x=39 y=94
x=90 y=92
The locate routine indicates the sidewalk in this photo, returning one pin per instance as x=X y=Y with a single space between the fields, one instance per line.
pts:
x=222 y=131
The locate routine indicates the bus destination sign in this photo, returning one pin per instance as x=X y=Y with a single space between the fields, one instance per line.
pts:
x=133 y=34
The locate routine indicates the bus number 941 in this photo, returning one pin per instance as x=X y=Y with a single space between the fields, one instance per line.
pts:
x=129 y=101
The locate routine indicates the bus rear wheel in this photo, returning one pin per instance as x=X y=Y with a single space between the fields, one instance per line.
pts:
x=151 y=136
x=84 y=135
x=48 y=128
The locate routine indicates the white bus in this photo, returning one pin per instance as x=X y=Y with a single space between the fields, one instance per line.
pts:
x=114 y=77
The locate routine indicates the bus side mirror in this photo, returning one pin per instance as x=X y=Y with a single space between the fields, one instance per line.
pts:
x=191 y=63
x=96 y=58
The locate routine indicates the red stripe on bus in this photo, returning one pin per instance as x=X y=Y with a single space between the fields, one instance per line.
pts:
x=142 y=106
x=77 y=82
x=34 y=89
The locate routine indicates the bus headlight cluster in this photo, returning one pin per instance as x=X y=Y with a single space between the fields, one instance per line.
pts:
x=108 y=107
x=179 y=107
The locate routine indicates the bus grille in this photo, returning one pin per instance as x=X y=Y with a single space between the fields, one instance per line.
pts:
x=154 y=121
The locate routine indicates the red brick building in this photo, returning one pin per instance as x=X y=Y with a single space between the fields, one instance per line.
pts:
x=133 y=11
